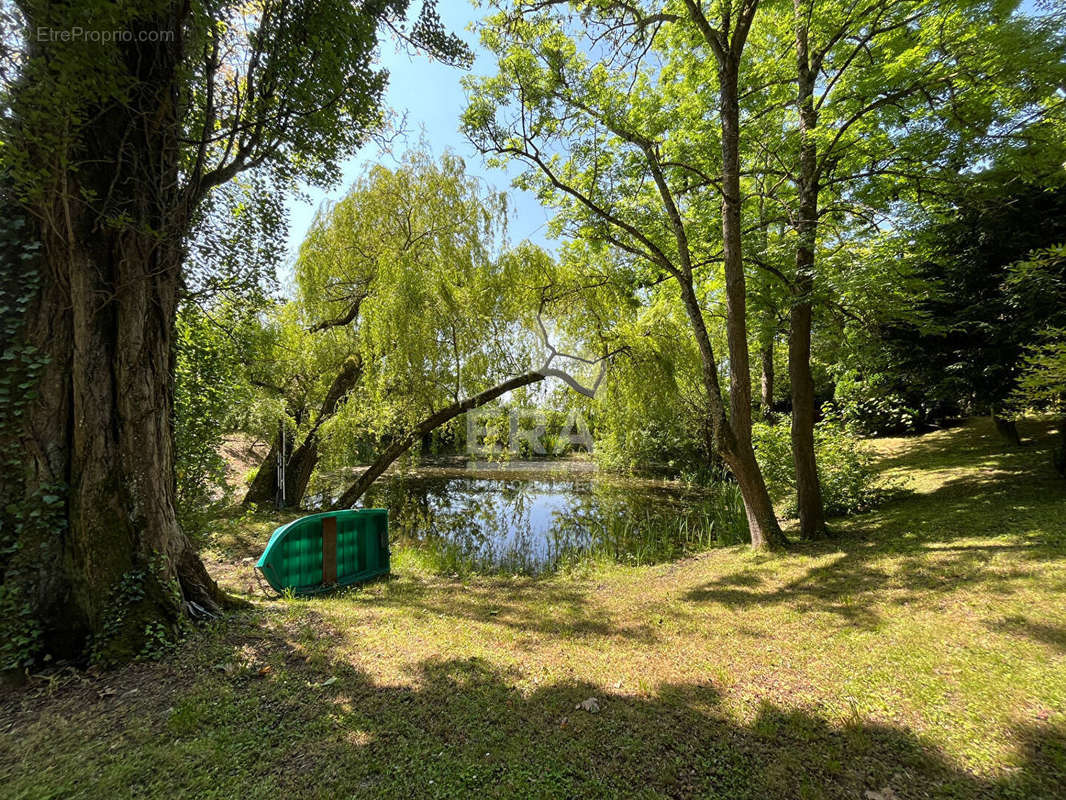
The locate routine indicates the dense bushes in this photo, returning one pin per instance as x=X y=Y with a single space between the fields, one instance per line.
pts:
x=656 y=444
x=873 y=405
x=848 y=482
x=209 y=389
x=988 y=273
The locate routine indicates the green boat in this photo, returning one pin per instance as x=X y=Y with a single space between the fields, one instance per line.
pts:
x=323 y=551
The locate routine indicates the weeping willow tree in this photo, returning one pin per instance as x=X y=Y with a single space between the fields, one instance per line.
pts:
x=410 y=290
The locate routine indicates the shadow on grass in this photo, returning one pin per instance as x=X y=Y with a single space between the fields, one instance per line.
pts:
x=240 y=533
x=973 y=438
x=925 y=543
x=529 y=605
x=462 y=728
x=1052 y=635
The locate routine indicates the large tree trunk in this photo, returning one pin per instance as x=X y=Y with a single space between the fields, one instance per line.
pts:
x=762 y=521
x=31 y=574
x=123 y=567
x=808 y=487
x=761 y=516
x=403 y=443
x=301 y=462
x=118 y=571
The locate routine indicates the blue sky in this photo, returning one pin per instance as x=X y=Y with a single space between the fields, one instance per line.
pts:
x=431 y=95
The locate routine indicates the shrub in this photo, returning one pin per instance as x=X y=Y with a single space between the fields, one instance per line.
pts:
x=872 y=406
x=849 y=485
x=208 y=387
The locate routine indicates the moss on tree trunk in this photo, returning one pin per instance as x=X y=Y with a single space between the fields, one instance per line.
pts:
x=107 y=571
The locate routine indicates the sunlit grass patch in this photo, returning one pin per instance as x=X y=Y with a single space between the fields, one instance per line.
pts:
x=922 y=651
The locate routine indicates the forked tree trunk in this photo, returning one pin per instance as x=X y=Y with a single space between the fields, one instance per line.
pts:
x=762 y=521
x=808 y=486
x=263 y=487
x=404 y=442
x=301 y=463
x=117 y=571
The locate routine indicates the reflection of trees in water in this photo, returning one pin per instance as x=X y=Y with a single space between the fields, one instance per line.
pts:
x=492 y=521
x=534 y=525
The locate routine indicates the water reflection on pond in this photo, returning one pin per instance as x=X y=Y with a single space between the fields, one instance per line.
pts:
x=539 y=521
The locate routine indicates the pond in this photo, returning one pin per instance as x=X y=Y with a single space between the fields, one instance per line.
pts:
x=523 y=518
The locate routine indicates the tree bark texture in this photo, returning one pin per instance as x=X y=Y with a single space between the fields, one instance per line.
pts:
x=739 y=454
x=116 y=571
x=808 y=486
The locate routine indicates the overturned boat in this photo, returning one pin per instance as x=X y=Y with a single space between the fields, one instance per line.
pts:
x=324 y=551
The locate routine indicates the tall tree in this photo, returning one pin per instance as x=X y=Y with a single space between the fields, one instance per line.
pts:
x=409 y=277
x=415 y=267
x=727 y=36
x=113 y=145
x=884 y=93
x=595 y=120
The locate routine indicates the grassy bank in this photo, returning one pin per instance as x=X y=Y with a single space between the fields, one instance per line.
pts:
x=920 y=654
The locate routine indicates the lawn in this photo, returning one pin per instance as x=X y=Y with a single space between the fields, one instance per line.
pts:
x=921 y=653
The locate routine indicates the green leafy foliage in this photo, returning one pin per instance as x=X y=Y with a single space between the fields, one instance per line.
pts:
x=126 y=609
x=412 y=274
x=976 y=316
x=648 y=414
x=1040 y=280
x=849 y=484
x=871 y=405
x=211 y=393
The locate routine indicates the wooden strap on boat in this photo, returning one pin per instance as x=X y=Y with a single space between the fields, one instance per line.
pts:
x=329 y=550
